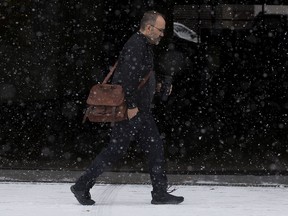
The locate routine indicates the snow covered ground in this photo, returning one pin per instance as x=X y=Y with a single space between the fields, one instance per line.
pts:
x=55 y=199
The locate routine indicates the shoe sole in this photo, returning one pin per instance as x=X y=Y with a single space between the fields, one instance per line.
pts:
x=166 y=203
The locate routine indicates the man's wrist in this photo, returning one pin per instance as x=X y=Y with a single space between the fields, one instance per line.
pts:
x=132 y=106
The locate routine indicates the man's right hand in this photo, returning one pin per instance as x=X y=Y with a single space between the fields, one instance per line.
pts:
x=132 y=112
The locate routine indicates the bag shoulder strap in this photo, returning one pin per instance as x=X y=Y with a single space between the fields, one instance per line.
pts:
x=143 y=81
x=141 y=84
x=110 y=73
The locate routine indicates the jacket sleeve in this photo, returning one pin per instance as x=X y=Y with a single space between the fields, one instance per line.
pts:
x=131 y=67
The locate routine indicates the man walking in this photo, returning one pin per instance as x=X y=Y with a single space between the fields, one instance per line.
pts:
x=135 y=62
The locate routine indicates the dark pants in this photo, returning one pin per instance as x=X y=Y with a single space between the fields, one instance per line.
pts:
x=145 y=132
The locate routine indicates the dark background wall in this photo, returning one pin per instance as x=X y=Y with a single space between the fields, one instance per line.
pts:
x=227 y=112
x=51 y=54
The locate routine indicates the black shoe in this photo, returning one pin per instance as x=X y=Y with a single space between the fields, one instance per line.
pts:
x=83 y=197
x=165 y=198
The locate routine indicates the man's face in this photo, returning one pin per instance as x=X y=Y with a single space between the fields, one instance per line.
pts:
x=157 y=30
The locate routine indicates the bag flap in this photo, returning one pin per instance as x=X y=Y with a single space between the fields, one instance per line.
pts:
x=106 y=94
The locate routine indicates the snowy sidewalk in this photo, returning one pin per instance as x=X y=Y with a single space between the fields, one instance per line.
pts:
x=47 y=199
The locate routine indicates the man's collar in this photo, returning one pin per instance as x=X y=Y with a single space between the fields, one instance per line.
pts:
x=148 y=40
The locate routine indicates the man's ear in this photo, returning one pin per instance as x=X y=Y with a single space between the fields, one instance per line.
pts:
x=148 y=28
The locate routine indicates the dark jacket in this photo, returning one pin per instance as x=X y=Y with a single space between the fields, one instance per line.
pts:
x=135 y=62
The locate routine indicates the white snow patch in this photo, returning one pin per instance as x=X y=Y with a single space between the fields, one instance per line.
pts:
x=46 y=199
